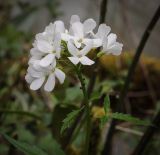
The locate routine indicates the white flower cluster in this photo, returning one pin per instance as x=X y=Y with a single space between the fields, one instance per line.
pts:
x=80 y=39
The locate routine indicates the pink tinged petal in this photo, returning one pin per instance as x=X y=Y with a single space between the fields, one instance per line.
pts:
x=74 y=18
x=78 y=30
x=37 y=83
x=72 y=49
x=47 y=60
x=44 y=46
x=50 y=84
x=103 y=31
x=59 y=26
x=60 y=75
x=74 y=60
x=111 y=39
x=86 y=49
x=89 y=25
x=86 y=61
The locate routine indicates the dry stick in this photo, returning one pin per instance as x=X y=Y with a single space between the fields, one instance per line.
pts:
x=148 y=135
x=103 y=10
x=120 y=106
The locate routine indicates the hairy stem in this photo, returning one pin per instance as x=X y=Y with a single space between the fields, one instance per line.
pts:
x=88 y=119
x=107 y=148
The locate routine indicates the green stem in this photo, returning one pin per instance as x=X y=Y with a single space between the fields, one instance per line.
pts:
x=88 y=118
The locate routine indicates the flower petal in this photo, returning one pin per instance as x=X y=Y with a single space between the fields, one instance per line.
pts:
x=72 y=49
x=50 y=84
x=57 y=44
x=116 y=49
x=59 y=27
x=74 y=60
x=77 y=28
x=103 y=31
x=86 y=61
x=86 y=49
x=66 y=37
x=111 y=39
x=44 y=46
x=60 y=75
x=95 y=42
x=47 y=60
x=74 y=18
x=89 y=25
x=29 y=78
x=37 y=83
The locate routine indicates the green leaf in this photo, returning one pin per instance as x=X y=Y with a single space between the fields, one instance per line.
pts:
x=103 y=120
x=24 y=147
x=95 y=96
x=129 y=118
x=69 y=119
x=106 y=104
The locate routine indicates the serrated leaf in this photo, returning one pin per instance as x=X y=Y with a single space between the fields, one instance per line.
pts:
x=103 y=120
x=69 y=119
x=24 y=147
x=106 y=104
x=129 y=118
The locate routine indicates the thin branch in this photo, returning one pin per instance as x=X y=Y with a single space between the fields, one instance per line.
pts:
x=146 y=138
x=120 y=106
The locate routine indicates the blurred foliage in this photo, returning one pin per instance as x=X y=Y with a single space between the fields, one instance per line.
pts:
x=36 y=117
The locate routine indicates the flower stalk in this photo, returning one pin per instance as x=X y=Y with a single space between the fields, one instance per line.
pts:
x=87 y=107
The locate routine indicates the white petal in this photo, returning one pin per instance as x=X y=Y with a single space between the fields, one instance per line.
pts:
x=57 y=44
x=37 y=83
x=47 y=60
x=74 y=60
x=59 y=26
x=44 y=46
x=34 y=73
x=60 y=75
x=66 y=37
x=86 y=61
x=50 y=84
x=29 y=78
x=111 y=39
x=103 y=31
x=89 y=25
x=95 y=42
x=86 y=49
x=36 y=52
x=50 y=28
x=78 y=29
x=74 y=18
x=72 y=49
x=33 y=59
x=116 y=49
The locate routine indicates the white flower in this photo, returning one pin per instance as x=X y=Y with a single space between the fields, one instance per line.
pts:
x=109 y=43
x=78 y=56
x=80 y=32
x=36 y=76
x=48 y=44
